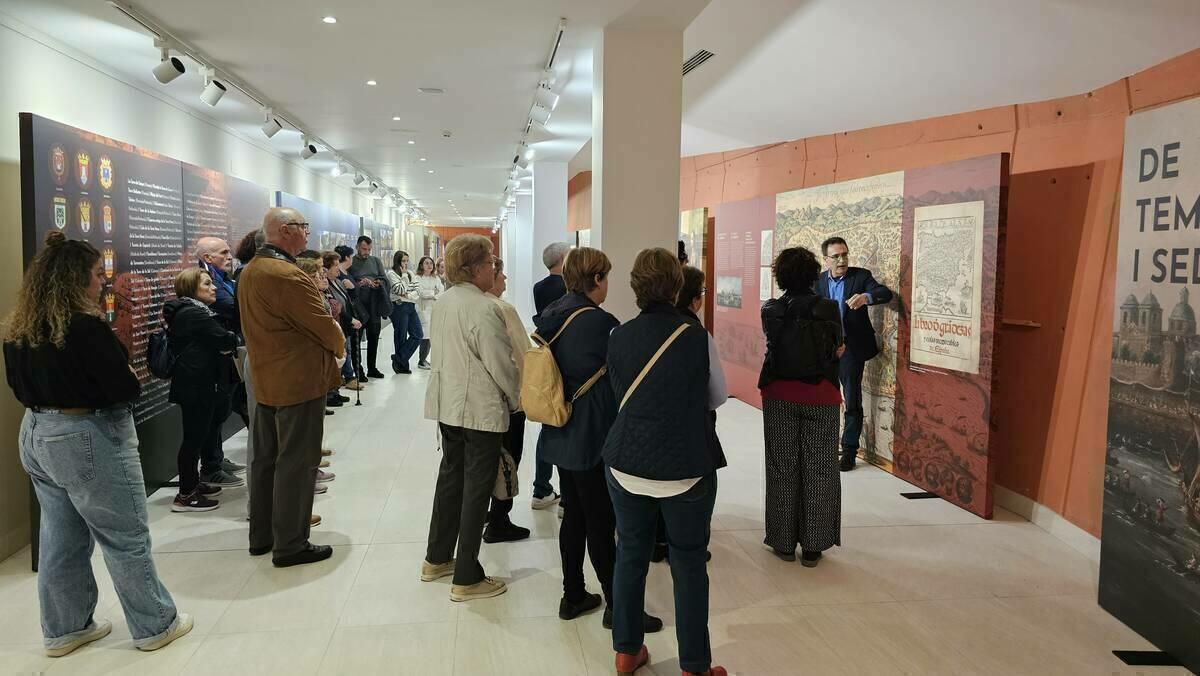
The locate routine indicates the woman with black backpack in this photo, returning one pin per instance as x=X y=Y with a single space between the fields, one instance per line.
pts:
x=201 y=383
x=801 y=403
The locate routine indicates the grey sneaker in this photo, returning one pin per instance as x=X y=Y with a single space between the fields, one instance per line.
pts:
x=546 y=502
x=232 y=467
x=223 y=479
x=183 y=625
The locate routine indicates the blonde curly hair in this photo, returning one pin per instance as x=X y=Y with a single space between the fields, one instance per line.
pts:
x=55 y=288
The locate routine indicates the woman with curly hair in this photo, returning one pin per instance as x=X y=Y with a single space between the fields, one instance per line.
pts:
x=80 y=448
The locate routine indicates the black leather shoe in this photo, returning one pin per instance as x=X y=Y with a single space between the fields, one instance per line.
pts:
x=328 y=412
x=660 y=553
x=650 y=623
x=342 y=398
x=810 y=559
x=569 y=611
x=334 y=402
x=376 y=373
x=847 y=463
x=786 y=556
x=259 y=551
x=312 y=554
x=504 y=532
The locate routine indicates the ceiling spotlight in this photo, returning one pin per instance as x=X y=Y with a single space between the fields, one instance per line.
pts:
x=548 y=78
x=513 y=184
x=308 y=150
x=213 y=90
x=540 y=115
x=529 y=154
x=546 y=98
x=338 y=169
x=371 y=83
x=372 y=188
x=523 y=165
x=359 y=178
x=170 y=67
x=270 y=125
x=330 y=19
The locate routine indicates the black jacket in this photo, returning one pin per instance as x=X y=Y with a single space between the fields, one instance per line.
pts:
x=202 y=367
x=580 y=352
x=351 y=308
x=662 y=432
x=547 y=291
x=861 y=343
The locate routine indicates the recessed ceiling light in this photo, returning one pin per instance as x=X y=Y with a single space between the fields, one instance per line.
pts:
x=395 y=118
x=330 y=19
x=421 y=159
x=411 y=143
x=371 y=83
x=431 y=171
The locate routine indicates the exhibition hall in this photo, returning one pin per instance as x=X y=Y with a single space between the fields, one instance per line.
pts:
x=693 y=337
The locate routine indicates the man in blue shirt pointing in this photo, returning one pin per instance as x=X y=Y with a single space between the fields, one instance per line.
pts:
x=854 y=290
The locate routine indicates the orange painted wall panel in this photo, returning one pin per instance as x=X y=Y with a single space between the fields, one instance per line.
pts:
x=1051 y=398
x=579 y=202
x=1176 y=79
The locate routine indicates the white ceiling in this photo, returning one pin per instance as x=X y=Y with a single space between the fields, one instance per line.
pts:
x=487 y=56
x=784 y=69
x=790 y=69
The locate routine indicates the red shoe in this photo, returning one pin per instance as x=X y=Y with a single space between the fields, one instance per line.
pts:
x=627 y=664
x=715 y=671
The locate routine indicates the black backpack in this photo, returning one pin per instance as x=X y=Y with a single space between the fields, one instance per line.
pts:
x=799 y=346
x=159 y=356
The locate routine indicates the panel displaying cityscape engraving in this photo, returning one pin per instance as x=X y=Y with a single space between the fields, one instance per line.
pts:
x=867 y=213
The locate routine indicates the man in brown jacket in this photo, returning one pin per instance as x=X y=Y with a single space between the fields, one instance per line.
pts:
x=296 y=347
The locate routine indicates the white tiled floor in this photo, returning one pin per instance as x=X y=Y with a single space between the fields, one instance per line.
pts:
x=918 y=587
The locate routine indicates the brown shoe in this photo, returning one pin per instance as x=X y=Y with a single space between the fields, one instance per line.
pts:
x=484 y=589
x=436 y=571
x=628 y=664
x=353 y=385
x=325 y=452
x=314 y=520
x=324 y=464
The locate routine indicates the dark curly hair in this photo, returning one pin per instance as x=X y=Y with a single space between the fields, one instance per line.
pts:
x=796 y=270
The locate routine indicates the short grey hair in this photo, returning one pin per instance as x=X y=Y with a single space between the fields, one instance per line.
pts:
x=554 y=254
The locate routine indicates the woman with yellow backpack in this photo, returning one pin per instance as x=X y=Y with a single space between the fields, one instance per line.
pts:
x=576 y=330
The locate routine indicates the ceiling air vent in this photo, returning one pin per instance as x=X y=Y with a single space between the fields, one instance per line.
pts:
x=698 y=59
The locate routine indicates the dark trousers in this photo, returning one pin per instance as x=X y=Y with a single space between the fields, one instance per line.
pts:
x=201 y=434
x=406 y=334
x=466 y=477
x=287 y=450
x=588 y=523
x=852 y=377
x=373 y=327
x=356 y=353
x=514 y=443
x=211 y=455
x=688 y=517
x=424 y=358
x=543 y=471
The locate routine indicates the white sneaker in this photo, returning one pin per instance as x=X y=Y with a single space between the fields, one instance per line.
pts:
x=546 y=502
x=103 y=628
x=179 y=630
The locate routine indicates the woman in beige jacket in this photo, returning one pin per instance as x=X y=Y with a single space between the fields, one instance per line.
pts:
x=473 y=388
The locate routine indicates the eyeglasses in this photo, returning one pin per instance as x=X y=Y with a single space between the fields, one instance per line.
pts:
x=298 y=225
x=839 y=257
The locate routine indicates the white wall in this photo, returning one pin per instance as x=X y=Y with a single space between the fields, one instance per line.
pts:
x=39 y=79
x=521 y=260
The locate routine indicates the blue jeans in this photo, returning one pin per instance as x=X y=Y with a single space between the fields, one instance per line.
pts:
x=348 y=366
x=406 y=333
x=688 y=517
x=543 y=471
x=88 y=479
x=851 y=373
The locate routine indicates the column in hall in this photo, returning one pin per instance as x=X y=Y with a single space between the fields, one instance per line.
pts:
x=549 y=216
x=520 y=260
x=637 y=106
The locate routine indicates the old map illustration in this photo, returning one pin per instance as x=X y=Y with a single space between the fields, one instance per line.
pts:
x=947 y=285
x=866 y=213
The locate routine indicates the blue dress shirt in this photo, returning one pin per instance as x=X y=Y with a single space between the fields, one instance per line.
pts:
x=837 y=290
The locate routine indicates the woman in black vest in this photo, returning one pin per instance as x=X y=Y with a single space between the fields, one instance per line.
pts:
x=801 y=403
x=201 y=383
x=581 y=351
x=660 y=460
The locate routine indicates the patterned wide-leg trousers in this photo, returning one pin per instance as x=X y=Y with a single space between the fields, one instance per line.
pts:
x=804 y=489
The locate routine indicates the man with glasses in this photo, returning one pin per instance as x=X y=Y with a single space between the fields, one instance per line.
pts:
x=854 y=290
x=297 y=350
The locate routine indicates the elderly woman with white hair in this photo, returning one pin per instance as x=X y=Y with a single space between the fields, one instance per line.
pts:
x=473 y=388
